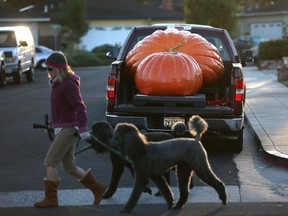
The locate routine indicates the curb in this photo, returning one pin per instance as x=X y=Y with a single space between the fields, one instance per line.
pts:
x=267 y=148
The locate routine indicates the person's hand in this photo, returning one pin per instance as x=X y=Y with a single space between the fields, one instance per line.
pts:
x=85 y=135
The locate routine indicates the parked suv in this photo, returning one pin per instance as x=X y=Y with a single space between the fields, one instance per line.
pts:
x=221 y=105
x=18 y=45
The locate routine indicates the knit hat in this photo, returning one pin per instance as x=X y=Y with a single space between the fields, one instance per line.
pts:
x=57 y=60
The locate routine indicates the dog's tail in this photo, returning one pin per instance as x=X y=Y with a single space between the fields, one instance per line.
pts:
x=197 y=126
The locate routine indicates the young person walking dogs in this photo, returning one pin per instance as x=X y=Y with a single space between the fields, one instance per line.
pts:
x=68 y=118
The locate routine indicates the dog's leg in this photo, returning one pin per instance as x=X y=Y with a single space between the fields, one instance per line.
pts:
x=167 y=178
x=191 y=181
x=117 y=171
x=205 y=173
x=146 y=188
x=164 y=188
x=184 y=173
x=140 y=181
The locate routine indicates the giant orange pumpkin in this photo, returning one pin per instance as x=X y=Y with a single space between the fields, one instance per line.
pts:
x=168 y=74
x=205 y=53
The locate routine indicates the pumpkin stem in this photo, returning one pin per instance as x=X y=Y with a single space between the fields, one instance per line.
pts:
x=177 y=46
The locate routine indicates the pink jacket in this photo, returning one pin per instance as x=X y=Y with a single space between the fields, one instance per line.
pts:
x=67 y=106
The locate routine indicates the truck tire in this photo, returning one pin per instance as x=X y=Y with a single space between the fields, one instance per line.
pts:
x=30 y=74
x=2 y=76
x=17 y=76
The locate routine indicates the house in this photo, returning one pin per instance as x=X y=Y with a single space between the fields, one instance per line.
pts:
x=109 y=20
x=111 y=24
x=27 y=16
x=269 y=21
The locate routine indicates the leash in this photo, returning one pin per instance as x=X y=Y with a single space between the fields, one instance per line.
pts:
x=110 y=149
x=50 y=132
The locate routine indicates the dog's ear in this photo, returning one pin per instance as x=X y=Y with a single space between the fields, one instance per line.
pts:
x=135 y=145
x=103 y=131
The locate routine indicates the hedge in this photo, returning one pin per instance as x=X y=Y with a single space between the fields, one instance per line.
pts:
x=83 y=58
x=273 y=49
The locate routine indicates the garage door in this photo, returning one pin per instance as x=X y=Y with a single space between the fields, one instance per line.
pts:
x=99 y=35
x=267 y=30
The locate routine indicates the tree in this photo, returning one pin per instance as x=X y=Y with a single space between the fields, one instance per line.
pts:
x=217 y=13
x=71 y=15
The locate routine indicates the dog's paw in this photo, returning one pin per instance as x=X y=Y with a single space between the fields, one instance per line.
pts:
x=178 y=206
x=109 y=193
x=106 y=196
x=171 y=206
x=147 y=190
x=223 y=197
x=224 y=200
x=158 y=194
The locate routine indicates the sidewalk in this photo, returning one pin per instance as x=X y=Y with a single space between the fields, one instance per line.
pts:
x=266 y=113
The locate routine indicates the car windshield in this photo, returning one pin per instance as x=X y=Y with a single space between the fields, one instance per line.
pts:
x=215 y=40
x=7 y=39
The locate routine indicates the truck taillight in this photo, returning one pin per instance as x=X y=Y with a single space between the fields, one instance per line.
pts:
x=239 y=89
x=111 y=84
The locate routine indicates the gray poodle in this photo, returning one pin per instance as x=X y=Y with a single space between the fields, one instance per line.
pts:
x=153 y=159
x=104 y=132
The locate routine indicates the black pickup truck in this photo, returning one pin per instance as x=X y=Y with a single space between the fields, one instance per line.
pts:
x=222 y=105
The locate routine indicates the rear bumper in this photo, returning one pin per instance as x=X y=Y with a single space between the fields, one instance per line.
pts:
x=215 y=124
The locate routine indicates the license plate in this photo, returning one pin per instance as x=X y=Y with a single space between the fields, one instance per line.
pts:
x=169 y=121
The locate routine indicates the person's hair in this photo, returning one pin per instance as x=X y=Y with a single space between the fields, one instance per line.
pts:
x=69 y=70
x=63 y=73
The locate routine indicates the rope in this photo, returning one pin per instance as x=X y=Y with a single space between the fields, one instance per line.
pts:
x=110 y=149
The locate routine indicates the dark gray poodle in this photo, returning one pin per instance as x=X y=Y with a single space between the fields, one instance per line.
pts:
x=153 y=159
x=104 y=132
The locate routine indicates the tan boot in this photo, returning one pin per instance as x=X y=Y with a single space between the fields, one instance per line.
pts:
x=89 y=181
x=50 y=199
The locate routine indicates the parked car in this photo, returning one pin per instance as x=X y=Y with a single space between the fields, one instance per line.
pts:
x=42 y=53
x=17 y=42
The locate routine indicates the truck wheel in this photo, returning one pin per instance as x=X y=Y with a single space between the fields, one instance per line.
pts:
x=2 y=76
x=17 y=76
x=30 y=74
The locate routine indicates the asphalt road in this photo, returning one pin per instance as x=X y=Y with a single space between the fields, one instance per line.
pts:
x=245 y=209
x=23 y=148
x=22 y=151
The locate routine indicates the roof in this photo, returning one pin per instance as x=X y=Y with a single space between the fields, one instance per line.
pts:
x=100 y=9
x=131 y=9
x=275 y=8
x=32 y=13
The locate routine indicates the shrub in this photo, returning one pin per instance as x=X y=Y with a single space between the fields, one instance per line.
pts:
x=83 y=58
x=273 y=49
